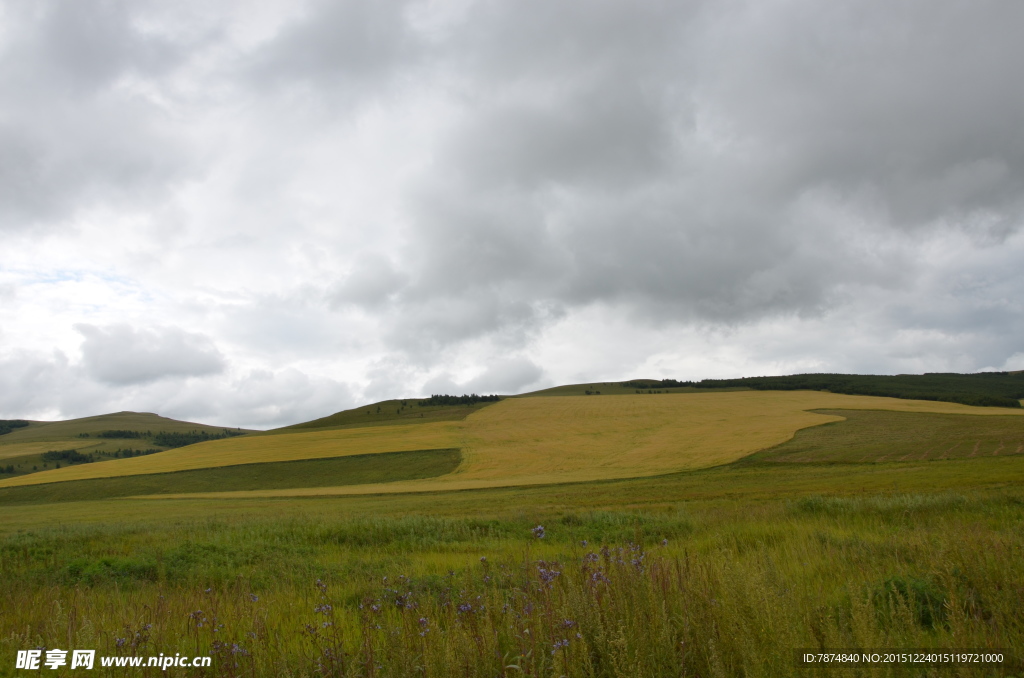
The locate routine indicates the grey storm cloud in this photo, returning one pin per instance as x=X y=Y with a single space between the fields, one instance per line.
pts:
x=715 y=163
x=337 y=46
x=692 y=162
x=122 y=355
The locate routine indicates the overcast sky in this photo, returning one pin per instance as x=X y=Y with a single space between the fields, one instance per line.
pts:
x=256 y=213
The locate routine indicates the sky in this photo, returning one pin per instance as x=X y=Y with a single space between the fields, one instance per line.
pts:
x=257 y=213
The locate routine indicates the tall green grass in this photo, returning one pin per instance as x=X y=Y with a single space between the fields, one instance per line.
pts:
x=874 y=436
x=705 y=588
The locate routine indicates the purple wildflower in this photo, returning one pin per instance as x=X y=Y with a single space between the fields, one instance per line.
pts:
x=547 y=575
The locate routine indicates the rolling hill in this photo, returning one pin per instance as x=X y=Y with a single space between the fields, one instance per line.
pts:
x=424 y=528
x=536 y=440
x=40 y=444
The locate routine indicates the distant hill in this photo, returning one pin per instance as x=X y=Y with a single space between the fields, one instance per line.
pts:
x=33 y=446
x=981 y=389
x=137 y=422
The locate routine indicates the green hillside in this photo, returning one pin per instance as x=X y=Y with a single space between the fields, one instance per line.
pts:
x=354 y=470
x=594 y=388
x=140 y=422
x=386 y=412
x=877 y=436
x=42 y=445
x=982 y=389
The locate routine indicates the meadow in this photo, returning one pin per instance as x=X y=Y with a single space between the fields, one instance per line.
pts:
x=351 y=470
x=629 y=578
x=878 y=435
x=898 y=528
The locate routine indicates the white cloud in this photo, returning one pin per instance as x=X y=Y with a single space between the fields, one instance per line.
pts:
x=363 y=199
x=121 y=355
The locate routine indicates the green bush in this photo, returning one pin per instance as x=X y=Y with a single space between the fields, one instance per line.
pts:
x=96 y=571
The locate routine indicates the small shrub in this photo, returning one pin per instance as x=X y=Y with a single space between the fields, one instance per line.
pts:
x=92 y=572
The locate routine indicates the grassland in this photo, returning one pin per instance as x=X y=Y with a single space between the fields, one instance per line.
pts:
x=605 y=388
x=35 y=448
x=541 y=440
x=69 y=430
x=532 y=441
x=22 y=450
x=716 y=572
x=353 y=470
x=702 y=569
x=983 y=389
x=261 y=449
x=384 y=413
x=878 y=436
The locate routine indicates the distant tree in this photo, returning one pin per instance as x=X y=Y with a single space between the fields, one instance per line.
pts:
x=119 y=433
x=70 y=456
x=177 y=439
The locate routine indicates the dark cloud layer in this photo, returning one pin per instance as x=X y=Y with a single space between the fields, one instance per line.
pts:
x=696 y=164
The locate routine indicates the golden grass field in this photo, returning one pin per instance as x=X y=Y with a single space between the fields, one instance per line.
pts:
x=539 y=440
x=258 y=449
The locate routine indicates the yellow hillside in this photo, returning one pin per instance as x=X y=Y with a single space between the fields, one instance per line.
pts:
x=538 y=440
x=257 y=449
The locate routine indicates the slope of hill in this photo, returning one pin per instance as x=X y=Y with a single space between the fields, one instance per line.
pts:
x=333 y=471
x=384 y=413
x=982 y=389
x=139 y=422
x=538 y=440
x=633 y=387
x=877 y=436
x=46 y=444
